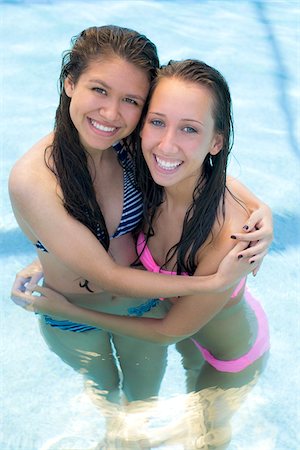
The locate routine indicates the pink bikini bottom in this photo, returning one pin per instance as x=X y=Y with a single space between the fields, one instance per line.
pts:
x=260 y=346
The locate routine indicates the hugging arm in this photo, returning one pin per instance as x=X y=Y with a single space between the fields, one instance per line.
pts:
x=39 y=209
x=187 y=315
x=258 y=229
x=152 y=285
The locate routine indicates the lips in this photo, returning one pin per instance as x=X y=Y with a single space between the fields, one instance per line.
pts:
x=167 y=164
x=100 y=127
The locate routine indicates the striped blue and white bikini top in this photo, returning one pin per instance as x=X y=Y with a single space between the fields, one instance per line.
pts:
x=132 y=201
x=132 y=198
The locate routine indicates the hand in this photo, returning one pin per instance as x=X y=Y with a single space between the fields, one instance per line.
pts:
x=27 y=278
x=49 y=302
x=233 y=268
x=258 y=232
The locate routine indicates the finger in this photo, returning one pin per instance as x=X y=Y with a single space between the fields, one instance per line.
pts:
x=258 y=258
x=259 y=247
x=258 y=251
x=46 y=292
x=36 y=277
x=19 y=284
x=21 y=279
x=240 y=247
x=252 y=250
x=19 y=301
x=34 y=281
x=253 y=221
x=255 y=260
x=252 y=236
x=249 y=268
x=24 y=300
x=255 y=271
x=255 y=235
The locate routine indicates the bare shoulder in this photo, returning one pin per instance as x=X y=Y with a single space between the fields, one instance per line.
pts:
x=235 y=186
x=236 y=213
x=220 y=242
x=30 y=170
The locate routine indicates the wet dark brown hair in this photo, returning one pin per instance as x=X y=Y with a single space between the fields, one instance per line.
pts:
x=68 y=155
x=209 y=192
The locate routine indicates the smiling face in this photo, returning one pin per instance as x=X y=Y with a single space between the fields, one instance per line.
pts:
x=107 y=102
x=179 y=131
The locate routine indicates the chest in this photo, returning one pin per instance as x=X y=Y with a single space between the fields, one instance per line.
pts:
x=109 y=189
x=168 y=227
x=167 y=233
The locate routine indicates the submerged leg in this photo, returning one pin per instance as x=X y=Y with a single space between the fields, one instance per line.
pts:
x=220 y=395
x=143 y=366
x=192 y=361
x=90 y=353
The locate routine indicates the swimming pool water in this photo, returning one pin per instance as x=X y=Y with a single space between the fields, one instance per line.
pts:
x=255 y=44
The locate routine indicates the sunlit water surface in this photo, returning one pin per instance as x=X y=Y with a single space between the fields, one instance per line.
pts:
x=256 y=46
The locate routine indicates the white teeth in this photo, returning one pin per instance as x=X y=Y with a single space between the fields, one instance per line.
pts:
x=167 y=165
x=101 y=127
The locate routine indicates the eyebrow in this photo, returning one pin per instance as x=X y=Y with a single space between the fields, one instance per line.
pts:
x=183 y=120
x=98 y=81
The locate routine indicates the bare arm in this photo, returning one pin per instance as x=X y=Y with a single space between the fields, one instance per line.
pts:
x=38 y=208
x=184 y=319
x=187 y=315
x=258 y=229
x=259 y=226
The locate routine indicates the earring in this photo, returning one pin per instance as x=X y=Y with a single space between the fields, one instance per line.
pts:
x=210 y=160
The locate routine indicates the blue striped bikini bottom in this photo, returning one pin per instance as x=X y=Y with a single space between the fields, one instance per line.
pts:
x=66 y=325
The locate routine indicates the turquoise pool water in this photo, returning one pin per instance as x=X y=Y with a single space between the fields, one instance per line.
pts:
x=255 y=44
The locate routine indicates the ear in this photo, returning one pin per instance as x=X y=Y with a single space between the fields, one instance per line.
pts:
x=217 y=144
x=69 y=86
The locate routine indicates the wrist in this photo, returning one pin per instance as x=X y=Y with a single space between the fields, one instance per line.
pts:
x=221 y=282
x=208 y=283
x=71 y=312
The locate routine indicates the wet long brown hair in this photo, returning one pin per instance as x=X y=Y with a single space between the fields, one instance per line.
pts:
x=209 y=192
x=68 y=155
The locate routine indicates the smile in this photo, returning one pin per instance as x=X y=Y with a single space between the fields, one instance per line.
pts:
x=100 y=127
x=167 y=165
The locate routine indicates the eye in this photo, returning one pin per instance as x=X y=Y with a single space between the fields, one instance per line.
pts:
x=190 y=130
x=100 y=90
x=157 y=123
x=130 y=101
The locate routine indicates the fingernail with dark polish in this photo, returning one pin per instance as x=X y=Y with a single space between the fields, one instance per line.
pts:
x=233 y=237
x=240 y=256
x=252 y=262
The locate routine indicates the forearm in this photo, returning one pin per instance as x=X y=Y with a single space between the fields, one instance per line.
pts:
x=138 y=283
x=147 y=329
x=185 y=317
x=88 y=259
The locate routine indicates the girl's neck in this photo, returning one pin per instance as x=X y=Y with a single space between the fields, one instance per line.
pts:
x=98 y=160
x=179 y=195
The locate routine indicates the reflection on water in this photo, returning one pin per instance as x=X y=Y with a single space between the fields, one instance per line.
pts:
x=114 y=366
x=255 y=44
x=198 y=420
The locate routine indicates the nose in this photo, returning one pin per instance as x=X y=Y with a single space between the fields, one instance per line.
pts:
x=168 y=144
x=110 y=111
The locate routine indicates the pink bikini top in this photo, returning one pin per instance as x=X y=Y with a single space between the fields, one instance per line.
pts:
x=262 y=342
x=148 y=262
